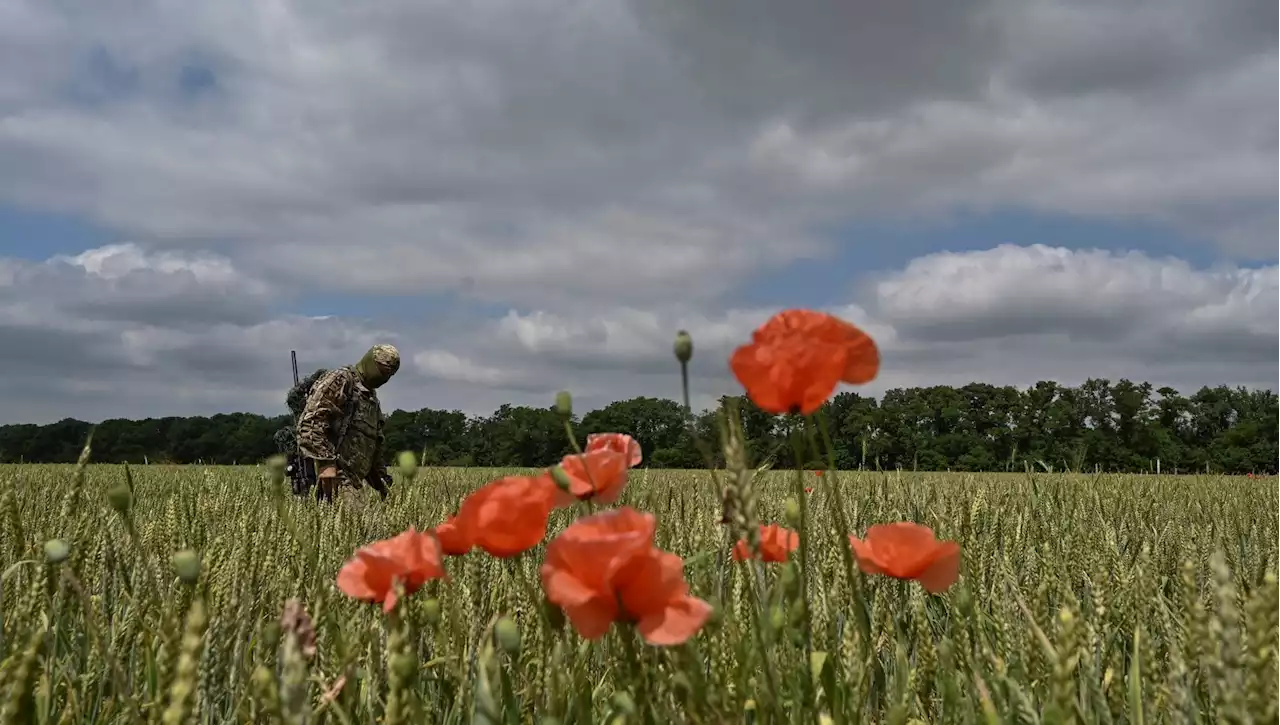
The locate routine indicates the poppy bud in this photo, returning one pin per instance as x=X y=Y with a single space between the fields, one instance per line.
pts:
x=717 y=614
x=796 y=613
x=564 y=403
x=56 y=551
x=623 y=703
x=120 y=498
x=407 y=462
x=262 y=678
x=561 y=479
x=777 y=619
x=431 y=610
x=792 y=513
x=403 y=665
x=275 y=469
x=789 y=578
x=683 y=347
x=507 y=633
x=271 y=634
x=187 y=565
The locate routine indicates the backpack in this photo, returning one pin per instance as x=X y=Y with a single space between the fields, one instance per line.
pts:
x=286 y=439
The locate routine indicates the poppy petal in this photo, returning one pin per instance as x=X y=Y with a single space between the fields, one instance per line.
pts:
x=593 y=618
x=675 y=623
x=866 y=559
x=944 y=570
x=649 y=581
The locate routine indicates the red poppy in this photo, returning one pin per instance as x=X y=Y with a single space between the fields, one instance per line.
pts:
x=908 y=551
x=776 y=544
x=452 y=537
x=412 y=558
x=808 y=489
x=604 y=569
x=819 y=473
x=505 y=517
x=795 y=360
x=600 y=473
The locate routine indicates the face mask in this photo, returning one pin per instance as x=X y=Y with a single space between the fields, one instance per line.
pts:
x=372 y=374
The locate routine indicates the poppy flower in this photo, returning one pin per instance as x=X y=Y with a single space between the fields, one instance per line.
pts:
x=412 y=558
x=604 y=569
x=908 y=551
x=808 y=489
x=600 y=473
x=776 y=544
x=454 y=539
x=819 y=473
x=795 y=360
x=505 y=517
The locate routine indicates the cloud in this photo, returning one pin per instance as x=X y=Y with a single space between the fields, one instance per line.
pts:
x=613 y=171
x=165 y=332
x=1006 y=315
x=552 y=153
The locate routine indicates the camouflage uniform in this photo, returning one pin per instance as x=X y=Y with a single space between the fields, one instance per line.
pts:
x=353 y=446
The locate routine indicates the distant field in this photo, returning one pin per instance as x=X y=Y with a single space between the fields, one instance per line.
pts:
x=1111 y=599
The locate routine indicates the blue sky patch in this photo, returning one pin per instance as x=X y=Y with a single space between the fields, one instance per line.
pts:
x=867 y=248
x=36 y=236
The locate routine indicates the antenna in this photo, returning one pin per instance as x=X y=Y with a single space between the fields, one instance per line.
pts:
x=294 y=355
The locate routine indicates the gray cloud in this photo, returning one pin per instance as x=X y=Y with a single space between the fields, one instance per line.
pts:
x=626 y=150
x=610 y=171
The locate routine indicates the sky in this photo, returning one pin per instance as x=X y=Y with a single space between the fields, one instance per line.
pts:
x=526 y=196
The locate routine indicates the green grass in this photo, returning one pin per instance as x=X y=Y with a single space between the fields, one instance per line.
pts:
x=1110 y=599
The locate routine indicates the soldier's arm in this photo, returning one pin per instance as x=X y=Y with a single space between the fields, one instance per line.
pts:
x=379 y=468
x=323 y=407
x=378 y=477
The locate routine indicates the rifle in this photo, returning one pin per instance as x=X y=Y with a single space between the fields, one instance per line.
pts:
x=300 y=469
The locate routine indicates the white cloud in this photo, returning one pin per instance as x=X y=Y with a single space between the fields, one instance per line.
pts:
x=1005 y=315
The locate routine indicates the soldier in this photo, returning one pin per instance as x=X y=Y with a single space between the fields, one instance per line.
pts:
x=341 y=427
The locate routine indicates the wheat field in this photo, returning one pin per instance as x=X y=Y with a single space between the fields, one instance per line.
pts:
x=207 y=595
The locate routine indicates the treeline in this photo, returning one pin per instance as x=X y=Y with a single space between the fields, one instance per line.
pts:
x=1100 y=425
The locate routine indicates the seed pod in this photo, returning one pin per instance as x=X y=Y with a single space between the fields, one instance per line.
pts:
x=683 y=347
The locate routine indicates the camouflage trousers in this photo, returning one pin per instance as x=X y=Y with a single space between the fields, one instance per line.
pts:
x=344 y=482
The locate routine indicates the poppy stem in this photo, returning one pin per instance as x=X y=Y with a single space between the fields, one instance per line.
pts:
x=832 y=482
x=577 y=449
x=802 y=555
x=638 y=673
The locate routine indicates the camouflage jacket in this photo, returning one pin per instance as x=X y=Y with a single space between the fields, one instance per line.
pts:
x=325 y=432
